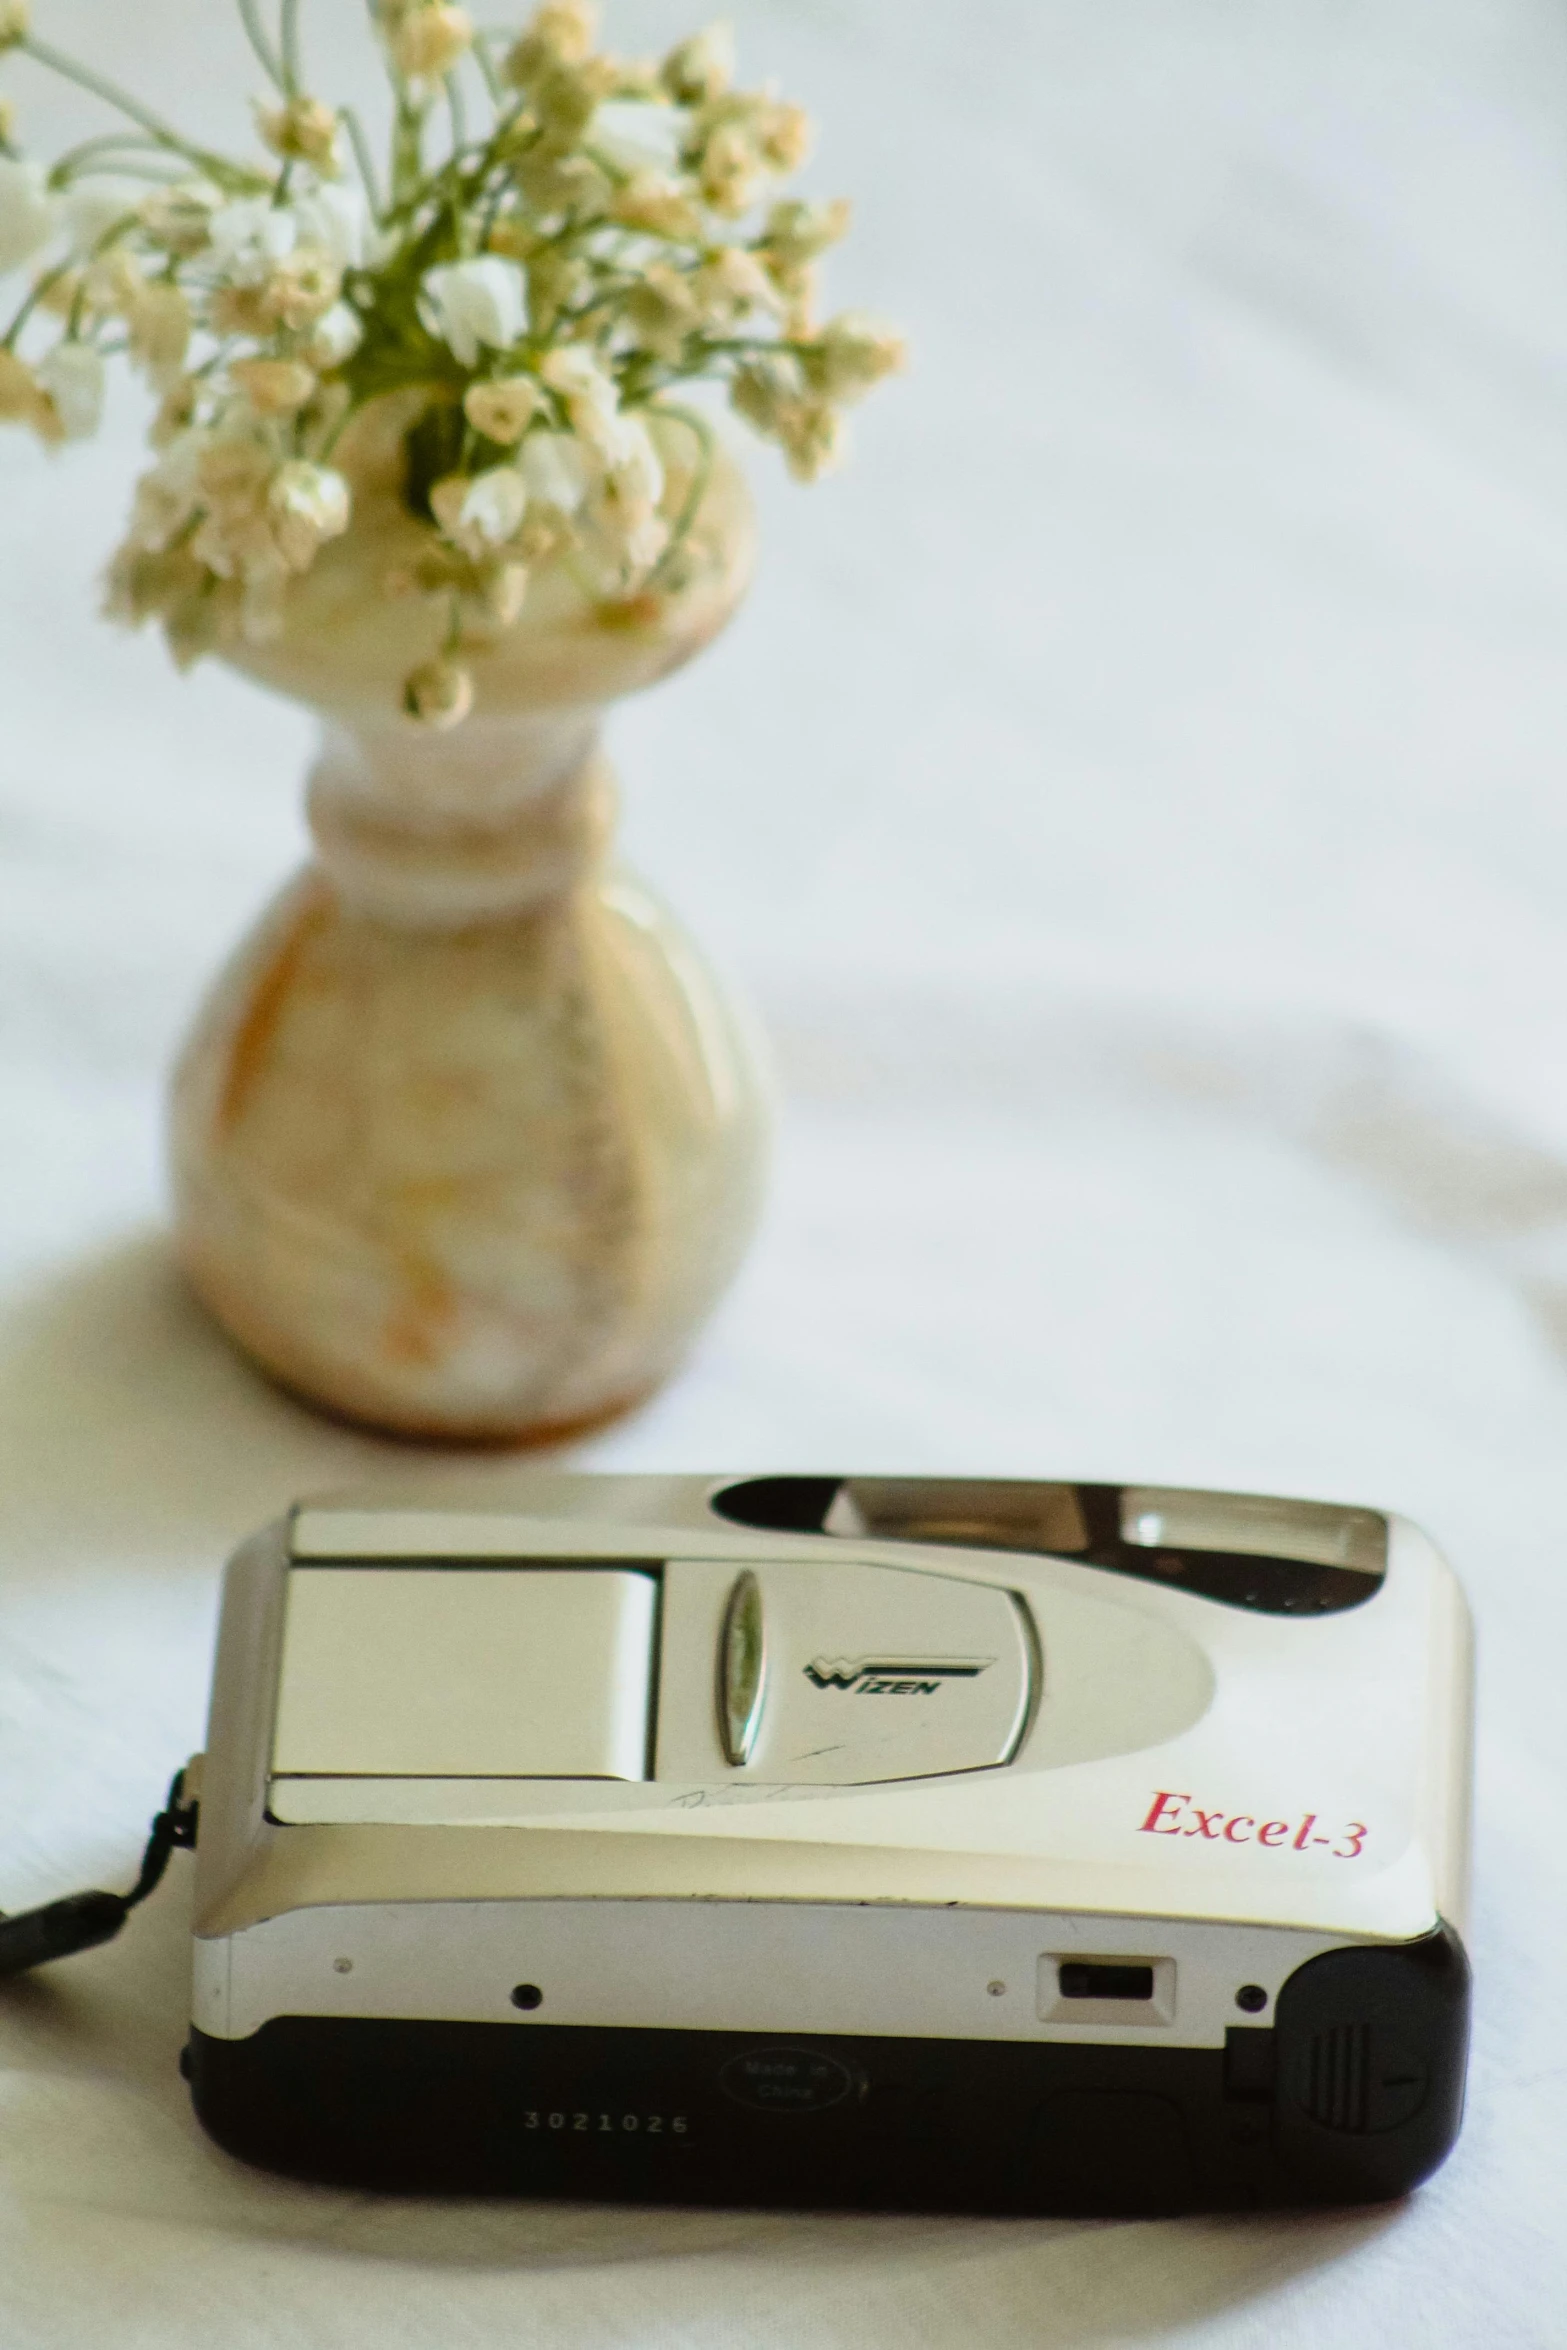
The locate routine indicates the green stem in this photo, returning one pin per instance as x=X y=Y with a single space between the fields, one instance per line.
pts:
x=363 y=157
x=701 y=479
x=486 y=65
x=107 y=142
x=153 y=168
x=324 y=454
x=55 y=61
x=407 y=148
x=459 y=115
x=735 y=346
x=255 y=34
x=111 y=236
x=485 y=159
x=293 y=73
x=35 y=294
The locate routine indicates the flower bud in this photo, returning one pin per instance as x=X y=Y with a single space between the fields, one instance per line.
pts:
x=113 y=284
x=635 y=135
x=160 y=326
x=786 y=137
x=429 y=40
x=303 y=131
x=23 y=400
x=274 y=387
x=15 y=22
x=504 y=588
x=701 y=68
x=180 y=218
x=813 y=437
x=659 y=206
x=732 y=170
x=26 y=214
x=503 y=411
x=336 y=338
x=798 y=233
x=850 y=355
x=302 y=289
x=562 y=32
x=72 y=377
x=439 y=694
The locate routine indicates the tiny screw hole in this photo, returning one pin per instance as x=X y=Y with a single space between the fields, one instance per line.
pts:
x=527 y=1995
x=996 y=1989
x=1251 y=1997
x=342 y=1966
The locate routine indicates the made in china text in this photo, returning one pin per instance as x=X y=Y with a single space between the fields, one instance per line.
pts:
x=1173 y=1814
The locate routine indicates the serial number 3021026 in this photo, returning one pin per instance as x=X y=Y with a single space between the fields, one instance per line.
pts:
x=605 y=2125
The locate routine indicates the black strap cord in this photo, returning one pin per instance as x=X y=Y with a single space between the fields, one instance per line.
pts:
x=81 y=1920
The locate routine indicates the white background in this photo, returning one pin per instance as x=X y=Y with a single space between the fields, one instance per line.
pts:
x=1134 y=794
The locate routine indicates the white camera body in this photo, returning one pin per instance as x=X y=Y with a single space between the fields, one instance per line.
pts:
x=915 y=1842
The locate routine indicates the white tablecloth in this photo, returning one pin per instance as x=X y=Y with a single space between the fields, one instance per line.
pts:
x=1135 y=796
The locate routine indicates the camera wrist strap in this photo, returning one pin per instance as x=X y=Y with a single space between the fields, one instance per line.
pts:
x=78 y=1921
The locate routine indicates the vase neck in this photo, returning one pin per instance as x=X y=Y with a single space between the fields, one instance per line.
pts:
x=443 y=830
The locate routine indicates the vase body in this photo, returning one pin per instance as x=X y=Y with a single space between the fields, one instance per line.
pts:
x=466 y=1140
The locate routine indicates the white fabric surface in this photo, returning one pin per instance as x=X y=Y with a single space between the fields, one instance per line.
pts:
x=1135 y=795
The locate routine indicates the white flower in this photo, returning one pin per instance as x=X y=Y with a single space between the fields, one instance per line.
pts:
x=633 y=464
x=469 y=303
x=26 y=214
x=337 y=337
x=73 y=377
x=94 y=208
x=555 y=469
x=249 y=239
x=337 y=220
x=481 y=511
x=637 y=134
x=309 y=504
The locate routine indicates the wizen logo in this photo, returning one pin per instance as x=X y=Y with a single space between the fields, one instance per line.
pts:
x=895 y=1677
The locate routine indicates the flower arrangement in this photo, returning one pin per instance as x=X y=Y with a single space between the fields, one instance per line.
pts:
x=560 y=239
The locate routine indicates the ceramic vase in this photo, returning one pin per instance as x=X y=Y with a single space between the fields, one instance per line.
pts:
x=467 y=1140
